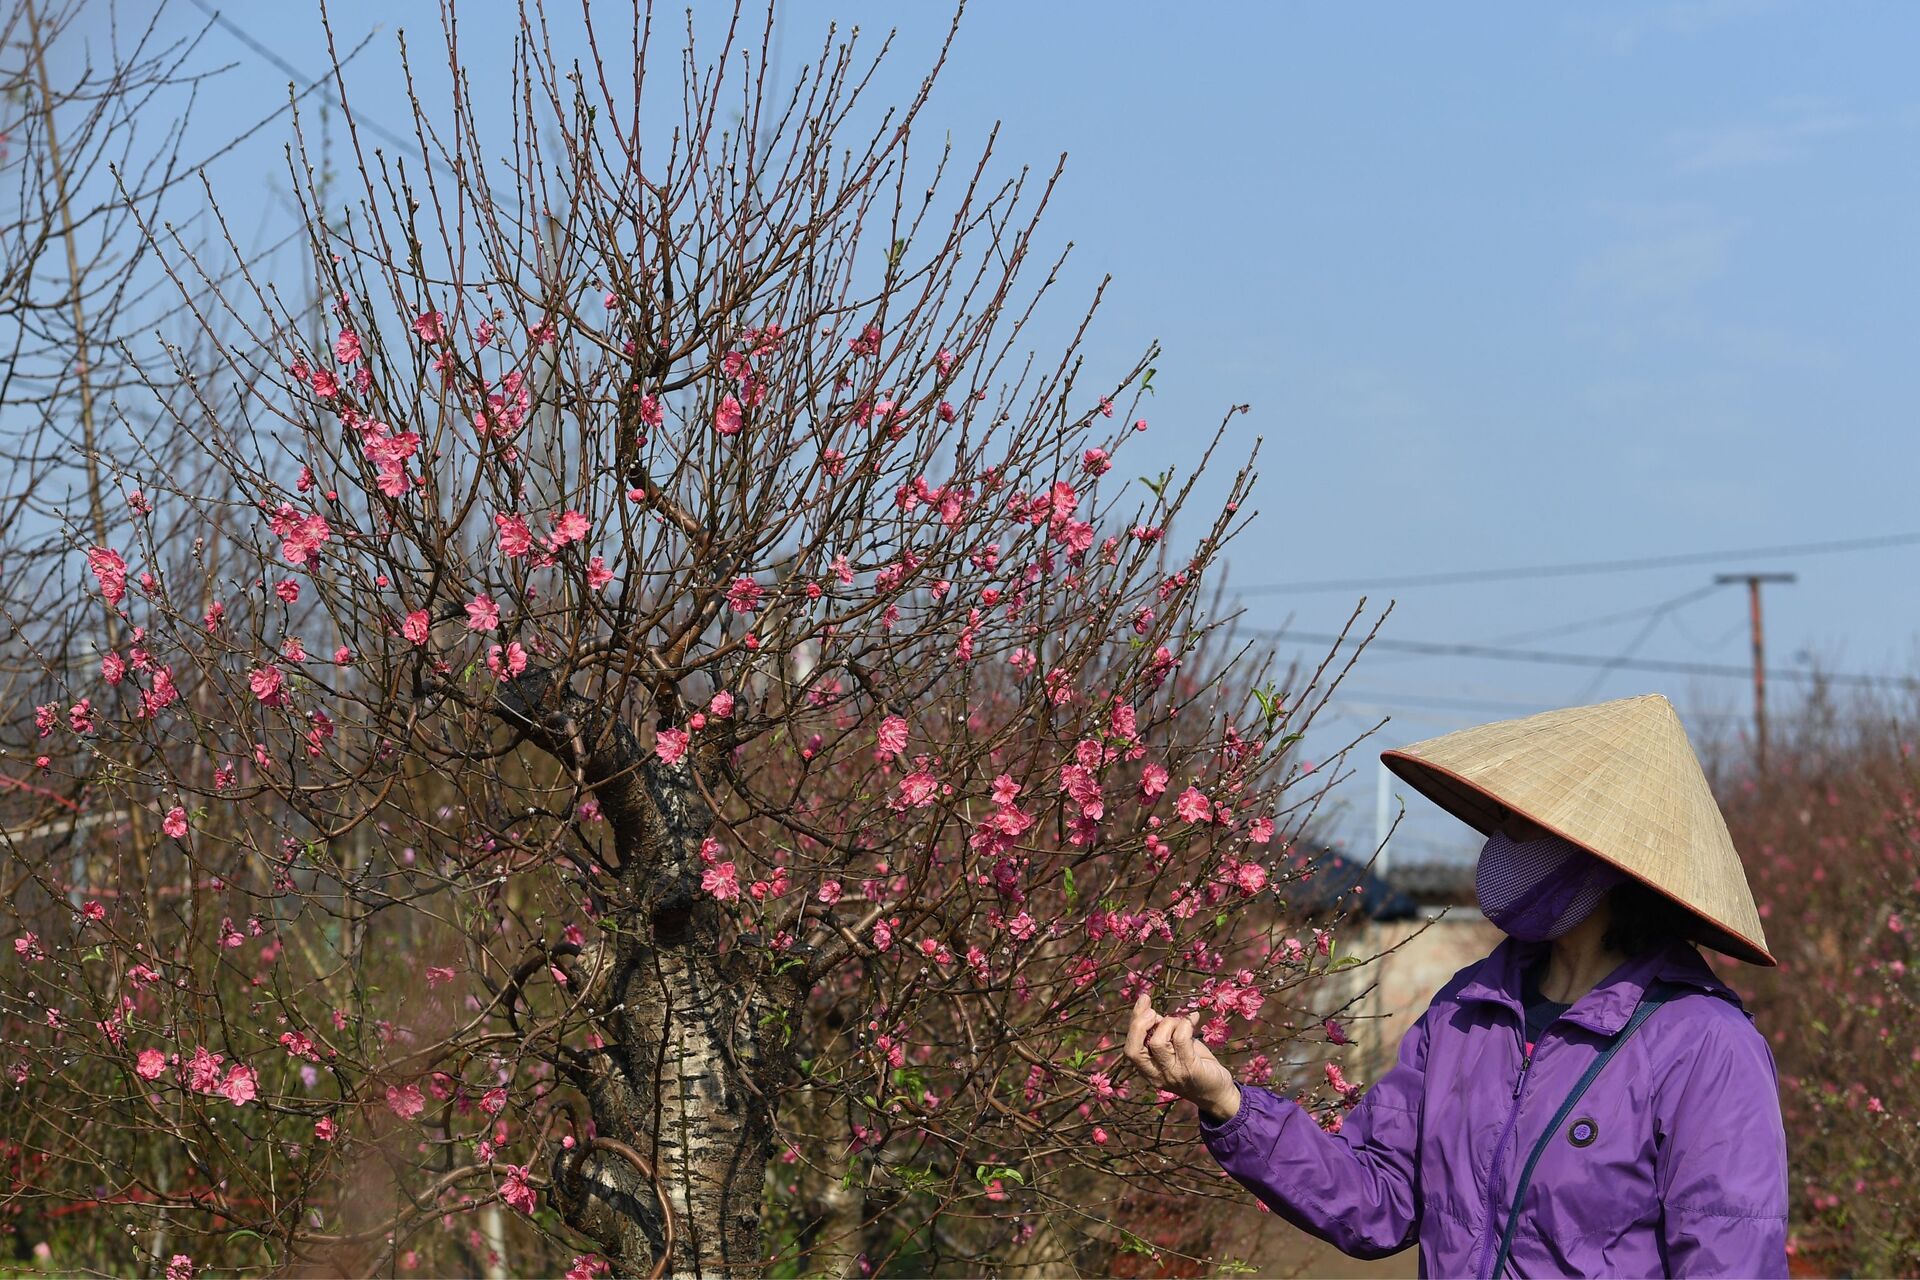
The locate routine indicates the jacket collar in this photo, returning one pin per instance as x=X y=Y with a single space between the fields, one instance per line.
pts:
x=1605 y=1009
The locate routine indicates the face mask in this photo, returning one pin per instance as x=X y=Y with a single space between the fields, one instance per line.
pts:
x=1537 y=890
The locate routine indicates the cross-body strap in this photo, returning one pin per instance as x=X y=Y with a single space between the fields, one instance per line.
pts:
x=1655 y=996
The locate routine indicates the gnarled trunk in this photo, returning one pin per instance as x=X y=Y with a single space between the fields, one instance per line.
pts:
x=694 y=1029
x=683 y=1078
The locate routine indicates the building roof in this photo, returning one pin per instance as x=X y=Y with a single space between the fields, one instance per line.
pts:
x=1334 y=884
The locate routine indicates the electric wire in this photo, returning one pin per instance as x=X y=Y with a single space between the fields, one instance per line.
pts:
x=1640 y=638
x=1441 y=649
x=410 y=146
x=1462 y=576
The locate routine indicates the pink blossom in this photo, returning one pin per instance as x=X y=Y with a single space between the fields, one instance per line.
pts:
x=300 y=539
x=1193 y=806
x=150 y=1064
x=483 y=614
x=670 y=745
x=266 y=684
x=175 y=823
x=1251 y=877
x=829 y=892
x=406 y=1101
x=893 y=735
x=298 y=1045
x=598 y=575
x=744 y=595
x=111 y=571
x=203 y=1071
x=515 y=1190
x=241 y=1086
x=570 y=527
x=1339 y=1081
x=919 y=789
x=180 y=1267
x=722 y=705
x=722 y=881
x=346 y=347
x=438 y=975
x=429 y=326
x=1261 y=830
x=1153 y=781
x=417 y=626
x=324 y=1129
x=515 y=538
x=1336 y=1033
x=508 y=661
x=113 y=668
x=726 y=418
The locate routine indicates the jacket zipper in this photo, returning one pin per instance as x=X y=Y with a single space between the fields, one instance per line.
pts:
x=1490 y=1232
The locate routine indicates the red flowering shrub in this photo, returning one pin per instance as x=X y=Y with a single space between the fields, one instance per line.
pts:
x=1832 y=842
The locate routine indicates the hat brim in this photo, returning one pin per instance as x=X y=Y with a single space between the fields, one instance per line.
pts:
x=1483 y=810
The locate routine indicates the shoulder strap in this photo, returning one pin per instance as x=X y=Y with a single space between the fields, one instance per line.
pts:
x=1655 y=996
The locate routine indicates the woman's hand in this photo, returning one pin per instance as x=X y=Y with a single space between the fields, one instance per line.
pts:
x=1171 y=1058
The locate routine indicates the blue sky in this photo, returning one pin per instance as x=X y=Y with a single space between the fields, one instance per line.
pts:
x=1503 y=284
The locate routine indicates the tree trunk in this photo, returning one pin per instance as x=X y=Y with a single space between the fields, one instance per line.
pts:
x=694 y=1043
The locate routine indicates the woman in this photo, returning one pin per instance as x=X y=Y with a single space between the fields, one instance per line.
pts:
x=1589 y=1099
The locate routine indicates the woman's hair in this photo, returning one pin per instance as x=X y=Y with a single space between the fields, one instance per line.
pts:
x=1643 y=920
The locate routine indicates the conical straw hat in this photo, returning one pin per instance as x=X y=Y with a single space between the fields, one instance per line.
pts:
x=1620 y=780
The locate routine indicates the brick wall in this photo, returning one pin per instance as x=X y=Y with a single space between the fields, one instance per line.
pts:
x=1416 y=957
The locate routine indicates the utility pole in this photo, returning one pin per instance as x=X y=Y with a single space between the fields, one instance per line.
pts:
x=1382 y=807
x=1753 y=581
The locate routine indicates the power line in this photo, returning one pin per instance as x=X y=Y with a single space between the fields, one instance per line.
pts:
x=1438 y=649
x=1392 y=700
x=1640 y=638
x=1457 y=577
x=1656 y=609
x=365 y=121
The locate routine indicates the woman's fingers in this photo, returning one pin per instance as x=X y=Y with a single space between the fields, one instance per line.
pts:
x=1182 y=1042
x=1143 y=1019
x=1160 y=1047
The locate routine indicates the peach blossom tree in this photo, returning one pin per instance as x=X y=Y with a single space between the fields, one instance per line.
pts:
x=628 y=717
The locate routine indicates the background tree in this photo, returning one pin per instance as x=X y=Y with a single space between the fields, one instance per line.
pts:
x=1831 y=835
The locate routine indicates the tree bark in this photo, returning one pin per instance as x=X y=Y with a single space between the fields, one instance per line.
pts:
x=695 y=1038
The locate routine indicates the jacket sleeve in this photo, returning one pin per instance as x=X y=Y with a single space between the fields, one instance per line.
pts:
x=1357 y=1189
x=1723 y=1160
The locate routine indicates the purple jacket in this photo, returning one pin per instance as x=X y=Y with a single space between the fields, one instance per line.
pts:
x=1673 y=1163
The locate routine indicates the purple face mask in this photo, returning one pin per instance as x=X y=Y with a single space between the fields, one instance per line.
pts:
x=1537 y=890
